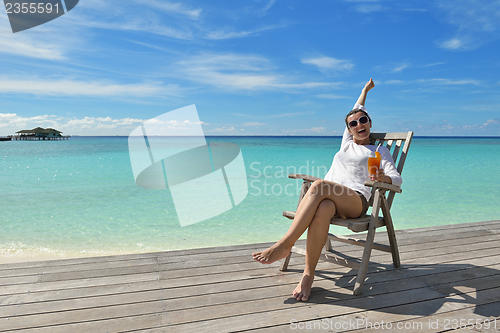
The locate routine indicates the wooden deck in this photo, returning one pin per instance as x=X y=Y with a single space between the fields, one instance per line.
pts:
x=440 y=286
x=37 y=138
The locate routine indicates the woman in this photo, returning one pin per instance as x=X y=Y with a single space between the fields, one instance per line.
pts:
x=342 y=193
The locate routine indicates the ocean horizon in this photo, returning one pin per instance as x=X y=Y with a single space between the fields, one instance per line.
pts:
x=79 y=197
x=307 y=136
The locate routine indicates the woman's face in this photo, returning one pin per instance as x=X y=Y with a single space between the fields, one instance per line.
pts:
x=360 y=132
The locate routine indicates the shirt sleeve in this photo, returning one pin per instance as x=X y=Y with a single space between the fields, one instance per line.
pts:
x=389 y=167
x=359 y=106
x=347 y=136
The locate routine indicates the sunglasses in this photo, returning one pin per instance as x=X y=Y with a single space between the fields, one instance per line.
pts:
x=362 y=120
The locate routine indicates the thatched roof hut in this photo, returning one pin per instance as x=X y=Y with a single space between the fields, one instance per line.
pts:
x=42 y=132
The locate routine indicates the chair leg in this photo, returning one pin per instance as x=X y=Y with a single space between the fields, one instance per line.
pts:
x=390 y=233
x=284 y=263
x=328 y=244
x=363 y=269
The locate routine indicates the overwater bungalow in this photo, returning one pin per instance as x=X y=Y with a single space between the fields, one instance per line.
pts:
x=39 y=134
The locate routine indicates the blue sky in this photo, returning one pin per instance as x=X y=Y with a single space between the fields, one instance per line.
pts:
x=268 y=67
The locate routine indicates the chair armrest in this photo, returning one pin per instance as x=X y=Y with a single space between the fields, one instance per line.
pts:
x=307 y=178
x=369 y=183
x=384 y=186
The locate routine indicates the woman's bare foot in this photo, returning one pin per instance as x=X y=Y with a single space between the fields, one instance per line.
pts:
x=272 y=254
x=303 y=289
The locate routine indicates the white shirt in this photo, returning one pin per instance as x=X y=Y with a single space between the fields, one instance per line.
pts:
x=350 y=164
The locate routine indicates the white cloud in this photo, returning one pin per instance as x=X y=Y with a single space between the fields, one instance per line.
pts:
x=449 y=82
x=309 y=131
x=318 y=129
x=44 y=45
x=394 y=82
x=146 y=23
x=268 y=6
x=26 y=47
x=12 y=122
x=400 y=68
x=434 y=64
x=262 y=10
x=290 y=114
x=368 y=8
x=234 y=71
x=82 y=88
x=471 y=15
x=168 y=19
x=172 y=8
x=491 y=122
x=104 y=119
x=329 y=64
x=224 y=34
x=331 y=96
x=489 y=128
x=477 y=23
x=176 y=20
x=415 y=10
x=393 y=67
x=452 y=44
x=223 y=129
x=272 y=116
x=255 y=123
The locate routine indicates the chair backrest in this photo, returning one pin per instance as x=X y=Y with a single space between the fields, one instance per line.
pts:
x=398 y=144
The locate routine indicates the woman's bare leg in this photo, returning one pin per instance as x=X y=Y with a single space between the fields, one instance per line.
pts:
x=347 y=203
x=316 y=239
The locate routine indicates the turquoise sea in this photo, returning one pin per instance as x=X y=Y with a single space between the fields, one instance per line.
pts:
x=79 y=197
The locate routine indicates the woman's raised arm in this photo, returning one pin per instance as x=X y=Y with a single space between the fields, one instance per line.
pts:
x=362 y=98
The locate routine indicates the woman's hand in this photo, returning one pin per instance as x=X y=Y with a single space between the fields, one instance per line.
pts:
x=380 y=176
x=369 y=85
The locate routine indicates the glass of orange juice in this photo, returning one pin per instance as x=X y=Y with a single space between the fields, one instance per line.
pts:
x=374 y=163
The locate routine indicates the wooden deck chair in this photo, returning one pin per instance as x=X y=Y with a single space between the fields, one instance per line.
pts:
x=398 y=144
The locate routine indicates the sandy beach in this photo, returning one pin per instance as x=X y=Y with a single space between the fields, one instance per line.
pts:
x=17 y=259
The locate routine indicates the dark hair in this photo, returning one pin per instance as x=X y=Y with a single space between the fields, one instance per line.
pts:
x=354 y=112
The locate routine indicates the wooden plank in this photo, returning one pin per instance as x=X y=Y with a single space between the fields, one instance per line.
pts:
x=395 y=153
x=404 y=152
x=389 y=144
x=358 y=242
x=389 y=136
